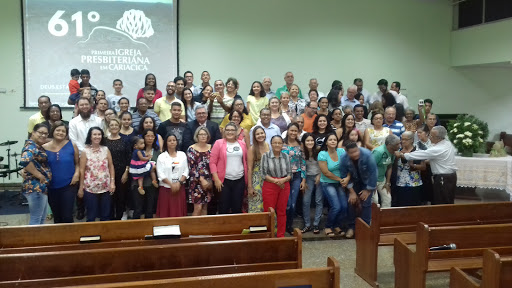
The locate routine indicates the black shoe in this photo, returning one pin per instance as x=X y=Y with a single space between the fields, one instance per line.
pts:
x=316 y=230
x=289 y=230
x=306 y=229
x=80 y=215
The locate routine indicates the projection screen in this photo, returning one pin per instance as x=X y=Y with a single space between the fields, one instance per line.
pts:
x=112 y=39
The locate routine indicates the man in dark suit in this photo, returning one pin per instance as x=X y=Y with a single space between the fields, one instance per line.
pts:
x=201 y=120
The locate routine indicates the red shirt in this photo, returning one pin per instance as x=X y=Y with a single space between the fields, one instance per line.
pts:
x=158 y=94
x=74 y=86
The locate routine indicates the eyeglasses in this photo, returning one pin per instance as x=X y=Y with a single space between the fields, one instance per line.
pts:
x=42 y=133
x=239 y=104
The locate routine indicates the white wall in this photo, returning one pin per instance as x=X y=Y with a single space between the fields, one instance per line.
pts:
x=404 y=40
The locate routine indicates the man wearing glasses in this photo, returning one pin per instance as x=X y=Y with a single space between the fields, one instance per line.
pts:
x=201 y=120
x=442 y=162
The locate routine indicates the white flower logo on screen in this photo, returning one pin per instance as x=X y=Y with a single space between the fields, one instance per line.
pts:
x=136 y=24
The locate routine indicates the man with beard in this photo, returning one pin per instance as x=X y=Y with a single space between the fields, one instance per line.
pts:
x=163 y=106
x=173 y=125
x=80 y=125
x=78 y=129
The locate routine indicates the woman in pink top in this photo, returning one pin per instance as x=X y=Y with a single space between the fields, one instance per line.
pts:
x=228 y=165
x=150 y=81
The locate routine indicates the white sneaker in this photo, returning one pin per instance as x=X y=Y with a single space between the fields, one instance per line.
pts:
x=125 y=216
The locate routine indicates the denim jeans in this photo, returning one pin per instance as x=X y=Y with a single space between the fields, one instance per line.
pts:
x=292 y=200
x=37 y=205
x=319 y=200
x=366 y=210
x=337 y=199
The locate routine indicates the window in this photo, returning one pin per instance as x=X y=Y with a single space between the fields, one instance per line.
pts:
x=475 y=12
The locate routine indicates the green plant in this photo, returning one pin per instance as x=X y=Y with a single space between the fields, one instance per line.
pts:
x=468 y=133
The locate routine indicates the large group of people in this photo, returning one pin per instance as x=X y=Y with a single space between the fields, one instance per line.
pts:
x=208 y=149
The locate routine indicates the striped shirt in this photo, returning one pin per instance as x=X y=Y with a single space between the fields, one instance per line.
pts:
x=277 y=167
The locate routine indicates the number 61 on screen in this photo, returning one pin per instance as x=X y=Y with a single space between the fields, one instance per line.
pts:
x=57 y=22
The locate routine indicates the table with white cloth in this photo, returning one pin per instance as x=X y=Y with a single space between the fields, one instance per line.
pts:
x=483 y=171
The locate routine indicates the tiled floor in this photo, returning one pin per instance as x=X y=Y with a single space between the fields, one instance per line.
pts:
x=315 y=253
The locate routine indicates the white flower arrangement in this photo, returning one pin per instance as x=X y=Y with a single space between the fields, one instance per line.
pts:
x=467 y=133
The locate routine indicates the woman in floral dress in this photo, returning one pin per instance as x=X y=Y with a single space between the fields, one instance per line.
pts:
x=259 y=148
x=200 y=178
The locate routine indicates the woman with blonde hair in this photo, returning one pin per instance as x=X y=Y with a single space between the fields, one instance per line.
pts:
x=200 y=179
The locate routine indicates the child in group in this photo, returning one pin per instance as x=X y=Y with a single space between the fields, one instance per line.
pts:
x=74 y=86
x=113 y=99
x=140 y=165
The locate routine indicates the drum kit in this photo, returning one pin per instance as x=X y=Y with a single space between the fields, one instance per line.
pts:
x=5 y=169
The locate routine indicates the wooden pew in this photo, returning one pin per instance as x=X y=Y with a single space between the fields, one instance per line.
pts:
x=63 y=237
x=411 y=266
x=50 y=269
x=497 y=273
x=400 y=222
x=327 y=277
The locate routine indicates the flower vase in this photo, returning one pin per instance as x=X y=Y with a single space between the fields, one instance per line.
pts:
x=467 y=153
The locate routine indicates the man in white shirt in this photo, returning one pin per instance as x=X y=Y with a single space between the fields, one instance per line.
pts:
x=377 y=96
x=80 y=125
x=270 y=129
x=113 y=99
x=400 y=98
x=442 y=162
x=313 y=85
x=78 y=129
x=267 y=84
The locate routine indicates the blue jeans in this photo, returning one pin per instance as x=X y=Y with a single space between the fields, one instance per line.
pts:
x=37 y=205
x=97 y=205
x=306 y=202
x=292 y=199
x=337 y=199
x=366 y=210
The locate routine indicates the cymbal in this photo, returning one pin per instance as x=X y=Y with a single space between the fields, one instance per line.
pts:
x=14 y=155
x=8 y=143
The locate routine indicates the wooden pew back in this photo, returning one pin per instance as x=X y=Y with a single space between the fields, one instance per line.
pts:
x=159 y=257
x=403 y=219
x=497 y=273
x=328 y=277
x=60 y=234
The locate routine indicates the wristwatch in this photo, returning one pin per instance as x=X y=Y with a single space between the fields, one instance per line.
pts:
x=181 y=182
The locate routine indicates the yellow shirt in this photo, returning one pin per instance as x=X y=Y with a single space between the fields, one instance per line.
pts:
x=255 y=106
x=163 y=108
x=246 y=123
x=35 y=119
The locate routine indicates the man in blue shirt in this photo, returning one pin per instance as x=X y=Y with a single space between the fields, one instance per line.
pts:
x=389 y=121
x=360 y=164
x=349 y=99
